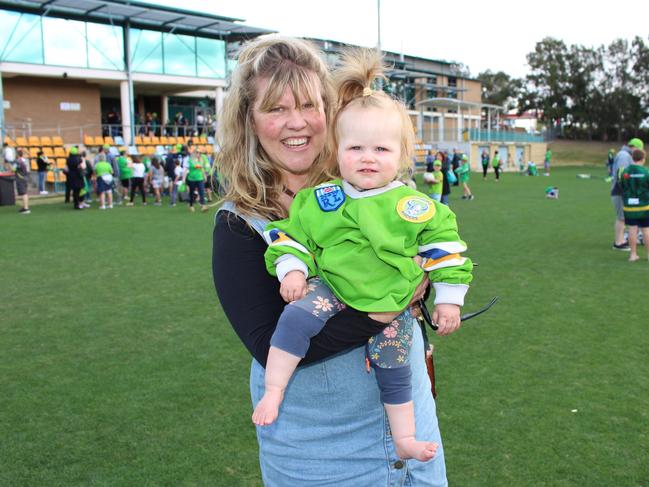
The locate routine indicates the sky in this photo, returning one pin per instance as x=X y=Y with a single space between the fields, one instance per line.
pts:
x=481 y=34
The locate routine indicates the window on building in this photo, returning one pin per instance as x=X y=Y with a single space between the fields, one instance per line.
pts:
x=105 y=46
x=210 y=58
x=452 y=85
x=179 y=54
x=146 y=51
x=64 y=42
x=431 y=92
x=20 y=38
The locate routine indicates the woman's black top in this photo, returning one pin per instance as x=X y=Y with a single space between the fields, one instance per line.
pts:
x=75 y=174
x=251 y=300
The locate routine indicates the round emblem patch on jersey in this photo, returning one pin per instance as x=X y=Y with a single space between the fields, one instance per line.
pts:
x=415 y=209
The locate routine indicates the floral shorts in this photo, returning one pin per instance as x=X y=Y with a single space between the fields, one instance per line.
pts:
x=388 y=349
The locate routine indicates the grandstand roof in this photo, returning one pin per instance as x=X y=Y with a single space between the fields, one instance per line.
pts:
x=139 y=15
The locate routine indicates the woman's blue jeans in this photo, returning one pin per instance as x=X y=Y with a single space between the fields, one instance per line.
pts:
x=332 y=429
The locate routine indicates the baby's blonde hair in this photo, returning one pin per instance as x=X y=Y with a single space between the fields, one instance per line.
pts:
x=358 y=71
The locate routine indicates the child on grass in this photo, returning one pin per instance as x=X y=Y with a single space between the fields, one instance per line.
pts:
x=437 y=181
x=359 y=235
x=634 y=182
x=463 y=173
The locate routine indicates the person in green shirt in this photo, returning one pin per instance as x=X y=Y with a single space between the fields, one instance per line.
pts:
x=546 y=162
x=438 y=181
x=463 y=172
x=104 y=178
x=634 y=182
x=495 y=163
x=195 y=180
x=125 y=167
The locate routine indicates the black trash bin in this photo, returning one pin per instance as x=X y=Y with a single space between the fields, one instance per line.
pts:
x=7 y=195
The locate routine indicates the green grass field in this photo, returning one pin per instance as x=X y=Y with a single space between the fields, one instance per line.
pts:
x=117 y=366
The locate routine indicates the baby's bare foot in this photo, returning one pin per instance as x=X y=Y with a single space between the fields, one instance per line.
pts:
x=268 y=408
x=419 y=450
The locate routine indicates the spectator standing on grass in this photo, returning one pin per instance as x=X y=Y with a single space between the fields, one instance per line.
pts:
x=125 y=168
x=9 y=155
x=21 y=173
x=43 y=165
x=484 y=159
x=75 y=174
x=546 y=162
x=347 y=441
x=195 y=180
x=634 y=182
x=609 y=161
x=456 y=160
x=463 y=174
x=622 y=160
x=446 y=186
x=87 y=178
x=104 y=178
x=137 y=180
x=495 y=163
x=156 y=174
x=176 y=181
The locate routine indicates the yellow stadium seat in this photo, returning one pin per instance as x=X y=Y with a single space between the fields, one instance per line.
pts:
x=33 y=151
x=46 y=141
x=203 y=139
x=196 y=140
x=57 y=140
x=48 y=151
x=59 y=152
x=99 y=140
x=34 y=141
x=164 y=140
x=138 y=140
x=50 y=177
x=21 y=141
x=109 y=140
x=33 y=165
x=60 y=162
x=140 y=149
x=172 y=140
x=9 y=141
x=155 y=140
x=87 y=140
x=209 y=149
x=146 y=140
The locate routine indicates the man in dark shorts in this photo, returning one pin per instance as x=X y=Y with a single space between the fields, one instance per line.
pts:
x=634 y=183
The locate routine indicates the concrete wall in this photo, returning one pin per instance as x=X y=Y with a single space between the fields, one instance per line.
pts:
x=37 y=102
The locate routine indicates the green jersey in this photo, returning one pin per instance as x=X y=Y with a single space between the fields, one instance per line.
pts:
x=437 y=186
x=102 y=168
x=634 y=182
x=362 y=244
x=463 y=172
x=196 y=170
x=125 y=172
x=495 y=162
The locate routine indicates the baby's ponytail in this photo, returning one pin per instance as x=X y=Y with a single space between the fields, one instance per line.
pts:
x=357 y=71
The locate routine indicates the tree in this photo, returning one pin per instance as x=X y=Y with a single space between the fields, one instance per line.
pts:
x=500 y=89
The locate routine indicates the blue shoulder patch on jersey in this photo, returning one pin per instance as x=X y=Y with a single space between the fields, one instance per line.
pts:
x=329 y=198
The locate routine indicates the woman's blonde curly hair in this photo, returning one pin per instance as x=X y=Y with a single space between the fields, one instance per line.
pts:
x=354 y=78
x=252 y=180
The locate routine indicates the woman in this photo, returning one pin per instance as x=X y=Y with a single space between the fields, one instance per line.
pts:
x=75 y=170
x=332 y=429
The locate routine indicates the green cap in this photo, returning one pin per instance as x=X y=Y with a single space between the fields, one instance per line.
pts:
x=437 y=163
x=74 y=150
x=179 y=147
x=636 y=143
x=465 y=157
x=106 y=146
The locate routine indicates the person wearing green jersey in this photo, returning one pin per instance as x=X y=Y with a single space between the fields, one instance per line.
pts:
x=195 y=180
x=463 y=172
x=546 y=162
x=634 y=182
x=495 y=163
x=438 y=181
x=125 y=167
x=104 y=178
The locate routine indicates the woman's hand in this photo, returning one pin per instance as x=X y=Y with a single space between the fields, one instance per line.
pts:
x=447 y=318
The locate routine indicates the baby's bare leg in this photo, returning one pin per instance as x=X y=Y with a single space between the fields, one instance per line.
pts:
x=402 y=425
x=279 y=369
